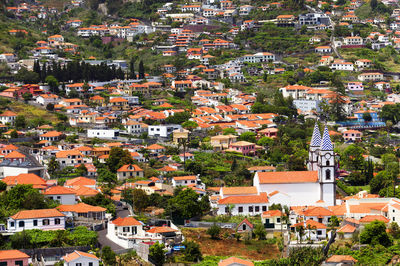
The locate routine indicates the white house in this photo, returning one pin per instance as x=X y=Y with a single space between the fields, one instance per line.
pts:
x=243 y=205
x=370 y=76
x=314 y=230
x=45 y=99
x=185 y=180
x=126 y=232
x=61 y=194
x=163 y=131
x=342 y=65
x=129 y=171
x=44 y=219
x=363 y=63
x=323 y=49
x=7 y=117
x=102 y=133
x=353 y=40
x=258 y=58
x=134 y=128
x=80 y=258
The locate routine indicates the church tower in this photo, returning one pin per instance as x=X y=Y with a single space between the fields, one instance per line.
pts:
x=326 y=169
x=314 y=149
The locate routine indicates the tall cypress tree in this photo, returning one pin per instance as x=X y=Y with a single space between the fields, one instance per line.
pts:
x=141 y=70
x=132 y=74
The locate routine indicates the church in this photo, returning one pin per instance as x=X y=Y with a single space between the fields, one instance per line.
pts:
x=300 y=188
x=292 y=188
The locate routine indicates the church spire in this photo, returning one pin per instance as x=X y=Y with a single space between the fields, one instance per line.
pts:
x=326 y=144
x=316 y=137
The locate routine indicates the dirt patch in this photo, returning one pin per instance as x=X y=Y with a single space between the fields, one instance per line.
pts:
x=254 y=249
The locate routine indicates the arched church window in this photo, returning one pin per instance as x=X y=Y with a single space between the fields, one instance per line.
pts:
x=327 y=162
x=328 y=174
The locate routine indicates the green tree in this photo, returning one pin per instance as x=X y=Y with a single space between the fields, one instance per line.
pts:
x=229 y=131
x=140 y=200
x=53 y=166
x=192 y=251
x=260 y=232
x=367 y=117
x=178 y=118
x=373 y=4
x=141 y=70
x=353 y=157
x=394 y=230
x=185 y=204
x=81 y=170
x=214 y=231
x=117 y=158
x=53 y=83
x=157 y=254
x=375 y=234
x=3 y=186
x=20 y=122
x=108 y=256
x=21 y=240
x=248 y=136
x=14 y=134
x=27 y=97
x=50 y=107
x=26 y=76
x=106 y=176
x=190 y=125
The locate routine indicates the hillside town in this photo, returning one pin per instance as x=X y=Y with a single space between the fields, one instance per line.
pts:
x=207 y=133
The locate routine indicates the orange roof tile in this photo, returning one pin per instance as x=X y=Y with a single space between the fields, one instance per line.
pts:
x=371 y=218
x=80 y=181
x=12 y=254
x=43 y=213
x=14 y=155
x=127 y=221
x=58 y=190
x=77 y=254
x=348 y=228
x=288 y=177
x=262 y=198
x=80 y=208
x=130 y=168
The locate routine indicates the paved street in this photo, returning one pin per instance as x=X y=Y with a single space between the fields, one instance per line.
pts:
x=103 y=240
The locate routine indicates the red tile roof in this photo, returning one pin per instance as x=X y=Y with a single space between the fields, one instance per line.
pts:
x=12 y=254
x=80 y=208
x=235 y=261
x=288 y=177
x=43 y=213
x=262 y=198
x=127 y=221
x=77 y=254
x=59 y=190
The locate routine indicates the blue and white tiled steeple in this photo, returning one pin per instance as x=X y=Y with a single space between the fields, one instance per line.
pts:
x=326 y=144
x=316 y=137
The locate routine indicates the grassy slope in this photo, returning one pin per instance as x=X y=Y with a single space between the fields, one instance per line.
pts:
x=32 y=112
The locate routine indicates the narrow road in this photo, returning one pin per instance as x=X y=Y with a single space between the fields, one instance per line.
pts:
x=102 y=238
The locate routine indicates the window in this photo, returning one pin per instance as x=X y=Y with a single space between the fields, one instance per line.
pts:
x=226 y=209
x=394 y=219
x=240 y=209
x=78 y=264
x=12 y=224
x=257 y=208
x=35 y=223
x=278 y=220
x=264 y=208
x=327 y=163
x=328 y=174
x=90 y=263
x=3 y=263
x=134 y=230
x=46 y=222
x=125 y=229
x=319 y=232
x=57 y=221
x=251 y=209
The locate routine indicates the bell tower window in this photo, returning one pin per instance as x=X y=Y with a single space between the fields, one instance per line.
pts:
x=328 y=174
